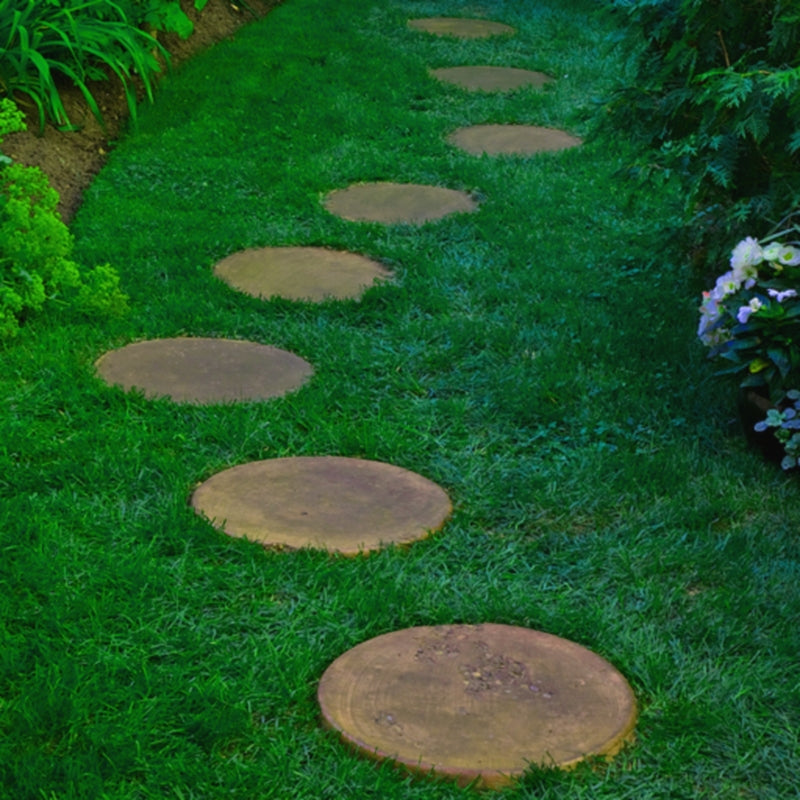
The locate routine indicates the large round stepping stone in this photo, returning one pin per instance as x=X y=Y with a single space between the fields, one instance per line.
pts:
x=460 y=27
x=477 y=702
x=204 y=370
x=394 y=203
x=300 y=273
x=511 y=139
x=344 y=505
x=491 y=79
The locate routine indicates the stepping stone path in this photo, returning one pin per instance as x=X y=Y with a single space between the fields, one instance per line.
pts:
x=204 y=371
x=460 y=27
x=477 y=703
x=511 y=139
x=394 y=203
x=491 y=79
x=473 y=703
x=344 y=505
x=300 y=273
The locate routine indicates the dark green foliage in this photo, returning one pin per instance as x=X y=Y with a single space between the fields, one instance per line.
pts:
x=715 y=100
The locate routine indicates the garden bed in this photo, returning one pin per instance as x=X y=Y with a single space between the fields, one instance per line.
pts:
x=71 y=158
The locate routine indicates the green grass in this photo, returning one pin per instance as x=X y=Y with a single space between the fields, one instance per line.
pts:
x=537 y=359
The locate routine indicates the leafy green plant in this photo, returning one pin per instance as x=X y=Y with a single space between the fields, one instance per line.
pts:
x=162 y=15
x=43 y=42
x=716 y=101
x=784 y=423
x=35 y=246
x=11 y=120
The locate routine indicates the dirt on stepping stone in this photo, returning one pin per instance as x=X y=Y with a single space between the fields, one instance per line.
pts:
x=397 y=203
x=204 y=370
x=460 y=27
x=477 y=702
x=300 y=273
x=342 y=505
x=491 y=79
x=511 y=139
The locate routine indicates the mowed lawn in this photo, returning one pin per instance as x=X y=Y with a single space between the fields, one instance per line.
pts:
x=537 y=359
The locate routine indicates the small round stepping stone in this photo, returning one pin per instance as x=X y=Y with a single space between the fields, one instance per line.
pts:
x=477 y=702
x=204 y=370
x=300 y=273
x=394 y=203
x=511 y=139
x=491 y=79
x=343 y=505
x=460 y=27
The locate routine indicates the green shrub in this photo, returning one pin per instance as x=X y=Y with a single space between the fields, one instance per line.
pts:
x=716 y=101
x=35 y=246
x=160 y=15
x=43 y=41
x=11 y=120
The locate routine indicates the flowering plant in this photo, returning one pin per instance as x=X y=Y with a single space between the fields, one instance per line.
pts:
x=751 y=318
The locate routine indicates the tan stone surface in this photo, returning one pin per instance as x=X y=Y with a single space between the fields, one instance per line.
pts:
x=344 y=505
x=397 y=203
x=491 y=79
x=300 y=273
x=477 y=702
x=460 y=27
x=511 y=139
x=204 y=370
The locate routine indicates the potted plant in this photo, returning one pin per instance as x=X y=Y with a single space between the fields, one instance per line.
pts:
x=750 y=321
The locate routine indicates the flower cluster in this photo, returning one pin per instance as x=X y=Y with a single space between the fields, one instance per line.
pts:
x=751 y=318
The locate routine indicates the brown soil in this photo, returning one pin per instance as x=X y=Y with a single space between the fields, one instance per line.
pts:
x=71 y=159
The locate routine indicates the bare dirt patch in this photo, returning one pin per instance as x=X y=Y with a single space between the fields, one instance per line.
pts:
x=71 y=159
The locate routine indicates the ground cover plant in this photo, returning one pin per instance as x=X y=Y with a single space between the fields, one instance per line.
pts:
x=538 y=359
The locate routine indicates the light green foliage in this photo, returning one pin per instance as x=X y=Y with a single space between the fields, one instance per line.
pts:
x=35 y=248
x=169 y=17
x=11 y=121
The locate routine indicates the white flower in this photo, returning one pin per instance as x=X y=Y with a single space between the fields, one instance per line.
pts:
x=781 y=296
x=746 y=257
x=750 y=308
x=725 y=286
x=783 y=254
x=708 y=330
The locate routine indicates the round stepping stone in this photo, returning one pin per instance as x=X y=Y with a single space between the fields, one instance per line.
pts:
x=491 y=79
x=460 y=27
x=204 y=371
x=511 y=139
x=344 y=505
x=477 y=702
x=300 y=273
x=393 y=203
